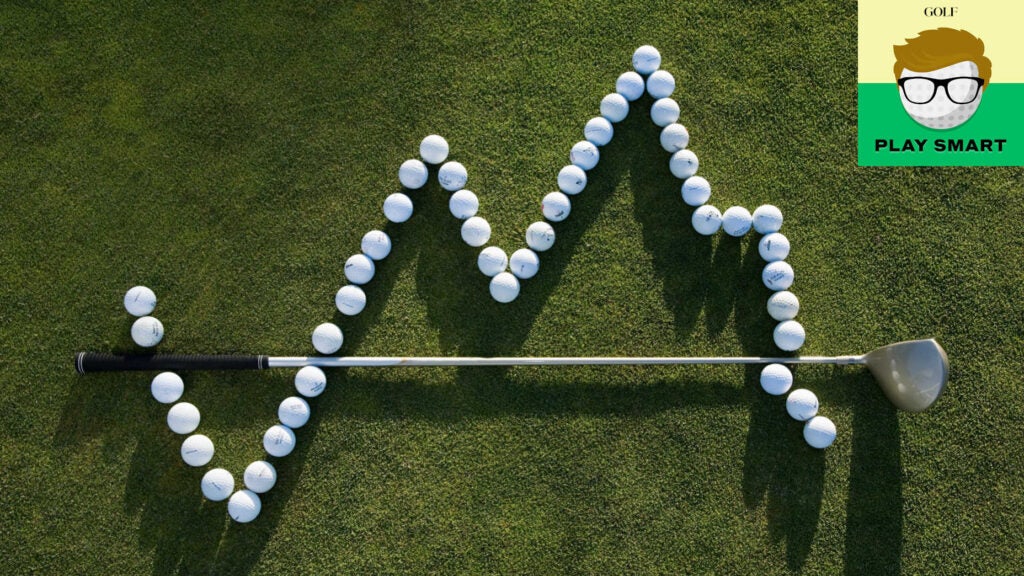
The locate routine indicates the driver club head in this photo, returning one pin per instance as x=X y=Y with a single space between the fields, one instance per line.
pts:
x=912 y=374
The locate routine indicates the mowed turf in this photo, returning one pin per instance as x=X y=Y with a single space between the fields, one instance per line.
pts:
x=232 y=156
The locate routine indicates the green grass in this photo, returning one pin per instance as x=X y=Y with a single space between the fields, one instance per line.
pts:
x=231 y=157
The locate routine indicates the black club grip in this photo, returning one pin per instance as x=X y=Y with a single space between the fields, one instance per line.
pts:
x=98 y=362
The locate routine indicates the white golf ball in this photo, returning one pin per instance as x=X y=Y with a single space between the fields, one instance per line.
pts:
x=773 y=247
x=819 y=432
x=293 y=412
x=279 y=440
x=706 y=220
x=452 y=176
x=492 y=261
x=802 y=404
x=736 y=221
x=630 y=85
x=217 y=484
x=540 y=236
x=244 y=506
x=310 y=381
x=463 y=204
x=359 y=269
x=327 y=338
x=524 y=263
x=476 y=231
x=183 y=418
x=696 y=191
x=776 y=379
x=599 y=131
x=412 y=174
x=777 y=276
x=660 y=84
x=350 y=300
x=260 y=476
x=167 y=387
x=504 y=287
x=376 y=244
x=664 y=112
x=556 y=206
x=683 y=164
x=434 y=149
x=139 y=301
x=572 y=179
x=614 y=107
x=646 y=59
x=783 y=305
x=584 y=154
x=147 y=331
x=397 y=208
x=789 y=335
x=767 y=219
x=674 y=137
x=197 y=450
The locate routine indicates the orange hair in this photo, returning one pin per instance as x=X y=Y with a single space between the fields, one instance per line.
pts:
x=934 y=49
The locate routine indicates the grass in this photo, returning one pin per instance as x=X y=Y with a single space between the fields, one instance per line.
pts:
x=231 y=157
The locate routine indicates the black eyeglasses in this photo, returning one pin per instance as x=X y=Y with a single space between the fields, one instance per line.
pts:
x=960 y=90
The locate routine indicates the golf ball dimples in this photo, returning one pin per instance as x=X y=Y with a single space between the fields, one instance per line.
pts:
x=197 y=450
x=452 y=176
x=279 y=440
x=776 y=379
x=802 y=404
x=463 y=204
x=664 y=112
x=476 y=231
x=412 y=174
x=674 y=138
x=572 y=179
x=646 y=59
x=614 y=107
x=555 y=206
x=660 y=84
x=492 y=261
x=167 y=387
x=327 y=338
x=783 y=305
x=293 y=412
x=777 y=276
x=736 y=221
x=767 y=219
x=350 y=300
x=524 y=263
x=217 y=484
x=540 y=236
x=359 y=269
x=696 y=191
x=376 y=244
x=789 y=335
x=504 y=287
x=147 y=331
x=630 y=85
x=244 y=506
x=706 y=220
x=585 y=155
x=773 y=247
x=398 y=208
x=260 y=476
x=434 y=149
x=683 y=164
x=139 y=301
x=310 y=381
x=599 y=131
x=819 y=432
x=183 y=418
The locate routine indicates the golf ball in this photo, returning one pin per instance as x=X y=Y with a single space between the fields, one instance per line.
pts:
x=660 y=84
x=773 y=247
x=167 y=387
x=327 y=338
x=540 y=236
x=279 y=440
x=260 y=476
x=572 y=179
x=244 y=506
x=376 y=244
x=217 y=484
x=452 y=176
x=293 y=412
x=630 y=85
x=819 y=432
x=524 y=263
x=777 y=275
x=434 y=149
x=767 y=219
x=696 y=191
x=736 y=221
x=350 y=300
x=646 y=59
x=183 y=418
x=783 y=305
x=504 y=287
x=706 y=220
x=555 y=206
x=412 y=174
x=802 y=404
x=789 y=335
x=463 y=204
x=492 y=261
x=664 y=112
x=197 y=450
x=139 y=301
x=674 y=138
x=776 y=379
x=359 y=269
x=614 y=106
x=584 y=154
x=476 y=231
x=147 y=331
x=310 y=381
x=683 y=164
x=599 y=131
x=397 y=208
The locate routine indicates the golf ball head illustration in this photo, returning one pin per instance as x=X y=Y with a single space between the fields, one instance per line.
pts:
x=941 y=112
x=802 y=404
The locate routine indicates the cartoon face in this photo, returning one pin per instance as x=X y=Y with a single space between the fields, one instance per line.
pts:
x=943 y=98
